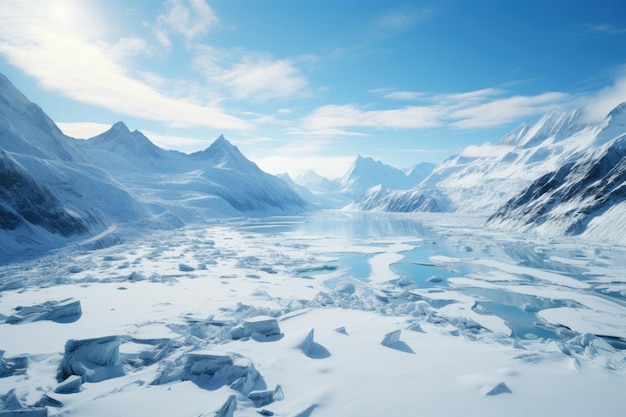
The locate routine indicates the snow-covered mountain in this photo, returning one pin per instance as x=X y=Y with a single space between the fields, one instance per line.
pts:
x=367 y=172
x=26 y=129
x=55 y=189
x=379 y=198
x=585 y=196
x=482 y=179
x=218 y=181
x=50 y=192
x=316 y=183
x=319 y=190
x=419 y=172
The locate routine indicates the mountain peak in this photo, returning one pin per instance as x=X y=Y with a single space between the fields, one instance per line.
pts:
x=221 y=145
x=224 y=154
x=120 y=127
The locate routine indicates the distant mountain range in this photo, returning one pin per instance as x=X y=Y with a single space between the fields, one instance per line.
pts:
x=55 y=189
x=365 y=173
x=560 y=176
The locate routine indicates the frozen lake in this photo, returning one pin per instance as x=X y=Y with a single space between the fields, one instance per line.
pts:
x=332 y=314
x=505 y=276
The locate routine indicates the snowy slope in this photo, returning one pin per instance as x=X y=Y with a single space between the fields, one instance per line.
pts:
x=219 y=181
x=482 y=179
x=51 y=193
x=120 y=149
x=419 y=199
x=320 y=191
x=56 y=189
x=316 y=183
x=584 y=196
x=419 y=172
x=367 y=172
x=26 y=129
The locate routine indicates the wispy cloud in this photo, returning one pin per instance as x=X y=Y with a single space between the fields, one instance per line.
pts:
x=80 y=64
x=605 y=29
x=249 y=75
x=398 y=20
x=506 y=110
x=601 y=103
x=191 y=18
x=486 y=150
x=404 y=95
x=468 y=110
x=350 y=115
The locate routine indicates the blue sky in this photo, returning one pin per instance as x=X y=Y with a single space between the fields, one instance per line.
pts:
x=311 y=84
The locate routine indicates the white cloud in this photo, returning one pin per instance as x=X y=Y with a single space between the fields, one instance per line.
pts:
x=469 y=110
x=398 y=20
x=601 y=103
x=350 y=115
x=404 y=95
x=77 y=62
x=505 y=110
x=248 y=75
x=190 y=18
x=486 y=150
x=83 y=130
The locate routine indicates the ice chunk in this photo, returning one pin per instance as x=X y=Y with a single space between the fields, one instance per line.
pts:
x=136 y=276
x=391 y=338
x=212 y=370
x=265 y=397
x=47 y=401
x=500 y=388
x=341 y=330
x=9 y=401
x=229 y=407
x=67 y=310
x=262 y=325
x=12 y=366
x=185 y=268
x=71 y=385
x=147 y=351
x=10 y=406
x=415 y=327
x=93 y=359
x=308 y=343
x=312 y=349
x=345 y=288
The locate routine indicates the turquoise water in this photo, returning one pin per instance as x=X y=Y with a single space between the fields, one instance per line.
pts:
x=518 y=311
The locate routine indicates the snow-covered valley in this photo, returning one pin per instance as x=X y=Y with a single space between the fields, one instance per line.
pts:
x=329 y=314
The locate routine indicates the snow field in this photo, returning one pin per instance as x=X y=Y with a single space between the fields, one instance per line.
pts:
x=319 y=342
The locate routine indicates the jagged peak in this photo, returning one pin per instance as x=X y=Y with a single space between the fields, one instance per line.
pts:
x=225 y=155
x=119 y=127
x=221 y=144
